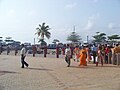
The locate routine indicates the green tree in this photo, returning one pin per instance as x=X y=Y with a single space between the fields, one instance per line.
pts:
x=73 y=37
x=99 y=37
x=55 y=41
x=113 y=37
x=8 y=38
x=42 y=32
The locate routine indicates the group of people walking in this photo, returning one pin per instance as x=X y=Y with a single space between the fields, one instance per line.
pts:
x=96 y=54
x=88 y=53
x=79 y=55
x=104 y=53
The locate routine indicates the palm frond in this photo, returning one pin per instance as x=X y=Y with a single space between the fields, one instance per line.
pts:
x=40 y=26
x=43 y=31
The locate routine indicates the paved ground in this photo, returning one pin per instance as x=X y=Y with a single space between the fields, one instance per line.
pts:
x=52 y=74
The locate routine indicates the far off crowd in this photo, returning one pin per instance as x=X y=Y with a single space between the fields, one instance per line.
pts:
x=97 y=54
x=101 y=53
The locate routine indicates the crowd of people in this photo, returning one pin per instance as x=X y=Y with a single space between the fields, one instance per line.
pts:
x=104 y=53
x=97 y=54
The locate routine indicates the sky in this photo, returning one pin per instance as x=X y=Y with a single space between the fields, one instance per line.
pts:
x=20 y=18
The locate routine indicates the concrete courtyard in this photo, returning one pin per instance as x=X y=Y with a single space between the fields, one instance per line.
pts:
x=52 y=74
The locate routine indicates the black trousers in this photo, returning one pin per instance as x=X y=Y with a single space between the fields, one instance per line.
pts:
x=23 y=61
x=67 y=59
x=94 y=56
x=106 y=59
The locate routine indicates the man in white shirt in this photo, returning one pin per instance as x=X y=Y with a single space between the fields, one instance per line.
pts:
x=68 y=55
x=23 y=55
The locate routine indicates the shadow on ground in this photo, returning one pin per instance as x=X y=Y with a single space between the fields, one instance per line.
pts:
x=6 y=72
x=84 y=67
x=94 y=67
x=40 y=69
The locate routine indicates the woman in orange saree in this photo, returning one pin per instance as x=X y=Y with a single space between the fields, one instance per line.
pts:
x=83 y=55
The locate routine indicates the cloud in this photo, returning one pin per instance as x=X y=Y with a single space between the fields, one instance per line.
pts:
x=58 y=31
x=32 y=13
x=11 y=13
x=70 y=6
x=114 y=28
x=91 y=22
x=111 y=25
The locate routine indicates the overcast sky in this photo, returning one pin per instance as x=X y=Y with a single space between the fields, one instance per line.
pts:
x=20 y=18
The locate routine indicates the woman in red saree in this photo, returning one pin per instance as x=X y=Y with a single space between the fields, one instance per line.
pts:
x=88 y=54
x=76 y=53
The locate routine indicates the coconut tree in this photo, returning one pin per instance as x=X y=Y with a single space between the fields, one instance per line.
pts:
x=42 y=32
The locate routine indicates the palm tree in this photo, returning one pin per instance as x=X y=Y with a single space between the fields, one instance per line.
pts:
x=42 y=32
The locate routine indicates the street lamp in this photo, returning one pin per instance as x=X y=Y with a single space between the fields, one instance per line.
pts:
x=87 y=38
x=34 y=41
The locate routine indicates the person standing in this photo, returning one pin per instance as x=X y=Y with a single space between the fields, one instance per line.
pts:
x=76 y=53
x=94 y=52
x=68 y=55
x=107 y=51
x=16 y=50
x=63 y=49
x=34 y=50
x=45 y=50
x=116 y=51
x=88 y=50
x=72 y=49
x=100 y=57
x=0 y=48
x=57 y=51
x=8 y=50
x=23 y=55
x=83 y=56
